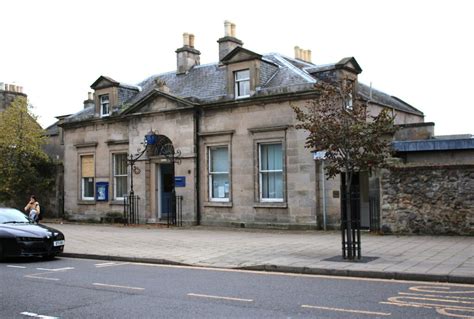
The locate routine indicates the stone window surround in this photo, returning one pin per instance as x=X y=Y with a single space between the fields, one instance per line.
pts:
x=115 y=199
x=218 y=138
x=268 y=135
x=102 y=103
x=117 y=146
x=81 y=200
x=237 y=83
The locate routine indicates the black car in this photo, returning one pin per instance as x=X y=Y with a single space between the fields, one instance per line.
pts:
x=20 y=236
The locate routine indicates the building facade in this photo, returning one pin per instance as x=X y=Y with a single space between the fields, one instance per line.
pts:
x=227 y=141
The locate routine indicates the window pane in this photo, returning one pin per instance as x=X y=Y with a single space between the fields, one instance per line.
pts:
x=88 y=184
x=272 y=185
x=244 y=88
x=120 y=186
x=242 y=75
x=271 y=157
x=87 y=166
x=120 y=164
x=220 y=186
x=219 y=159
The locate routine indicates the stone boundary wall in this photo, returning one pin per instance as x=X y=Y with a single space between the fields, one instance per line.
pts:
x=428 y=199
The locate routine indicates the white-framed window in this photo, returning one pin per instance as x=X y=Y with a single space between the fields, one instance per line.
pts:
x=270 y=171
x=120 y=175
x=104 y=105
x=87 y=177
x=219 y=185
x=242 y=83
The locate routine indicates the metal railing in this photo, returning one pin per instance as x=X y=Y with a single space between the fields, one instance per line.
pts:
x=351 y=244
x=131 y=209
x=175 y=215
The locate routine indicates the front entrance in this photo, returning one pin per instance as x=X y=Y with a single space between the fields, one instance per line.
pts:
x=164 y=191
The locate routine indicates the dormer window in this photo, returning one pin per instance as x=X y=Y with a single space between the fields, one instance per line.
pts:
x=242 y=83
x=104 y=105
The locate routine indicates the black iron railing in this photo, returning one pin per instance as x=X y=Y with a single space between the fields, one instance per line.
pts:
x=350 y=229
x=175 y=213
x=131 y=209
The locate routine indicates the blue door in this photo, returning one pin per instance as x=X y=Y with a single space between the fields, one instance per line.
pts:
x=167 y=190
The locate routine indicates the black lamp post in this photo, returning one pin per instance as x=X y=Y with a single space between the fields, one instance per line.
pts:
x=150 y=140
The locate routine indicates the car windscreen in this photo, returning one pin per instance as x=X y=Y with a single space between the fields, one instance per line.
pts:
x=12 y=216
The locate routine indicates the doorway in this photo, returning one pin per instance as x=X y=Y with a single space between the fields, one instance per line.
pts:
x=360 y=186
x=165 y=191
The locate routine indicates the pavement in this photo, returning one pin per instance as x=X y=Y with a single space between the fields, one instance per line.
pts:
x=426 y=258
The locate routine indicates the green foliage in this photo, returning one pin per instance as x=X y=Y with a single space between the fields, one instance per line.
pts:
x=24 y=167
x=353 y=139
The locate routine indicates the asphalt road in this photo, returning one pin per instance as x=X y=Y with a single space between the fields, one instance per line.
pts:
x=80 y=288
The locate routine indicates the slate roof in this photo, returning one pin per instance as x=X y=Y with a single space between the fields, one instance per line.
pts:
x=207 y=84
x=388 y=100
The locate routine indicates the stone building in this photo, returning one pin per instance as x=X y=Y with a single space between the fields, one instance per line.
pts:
x=238 y=159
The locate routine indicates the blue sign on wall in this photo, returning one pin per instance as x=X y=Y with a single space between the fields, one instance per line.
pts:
x=102 y=191
x=180 y=181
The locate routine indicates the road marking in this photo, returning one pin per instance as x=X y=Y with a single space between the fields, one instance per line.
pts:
x=56 y=269
x=219 y=297
x=409 y=298
x=444 y=290
x=445 y=312
x=435 y=296
x=117 y=286
x=110 y=264
x=426 y=305
x=37 y=277
x=349 y=310
x=35 y=315
x=12 y=266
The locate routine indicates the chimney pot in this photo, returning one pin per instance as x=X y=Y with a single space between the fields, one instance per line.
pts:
x=305 y=55
x=191 y=40
x=297 y=52
x=89 y=96
x=232 y=30
x=185 y=39
x=227 y=28
x=309 y=56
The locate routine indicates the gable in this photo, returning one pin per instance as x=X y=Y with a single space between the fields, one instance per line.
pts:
x=349 y=64
x=104 y=82
x=158 y=101
x=240 y=54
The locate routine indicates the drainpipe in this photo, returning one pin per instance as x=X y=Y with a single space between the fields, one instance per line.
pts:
x=197 y=170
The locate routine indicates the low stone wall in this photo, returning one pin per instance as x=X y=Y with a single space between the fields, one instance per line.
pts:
x=428 y=199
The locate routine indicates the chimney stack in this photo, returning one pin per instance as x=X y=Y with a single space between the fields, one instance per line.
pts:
x=229 y=42
x=187 y=56
x=303 y=55
x=90 y=100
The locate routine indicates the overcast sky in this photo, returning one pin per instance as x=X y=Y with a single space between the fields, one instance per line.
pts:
x=419 y=51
